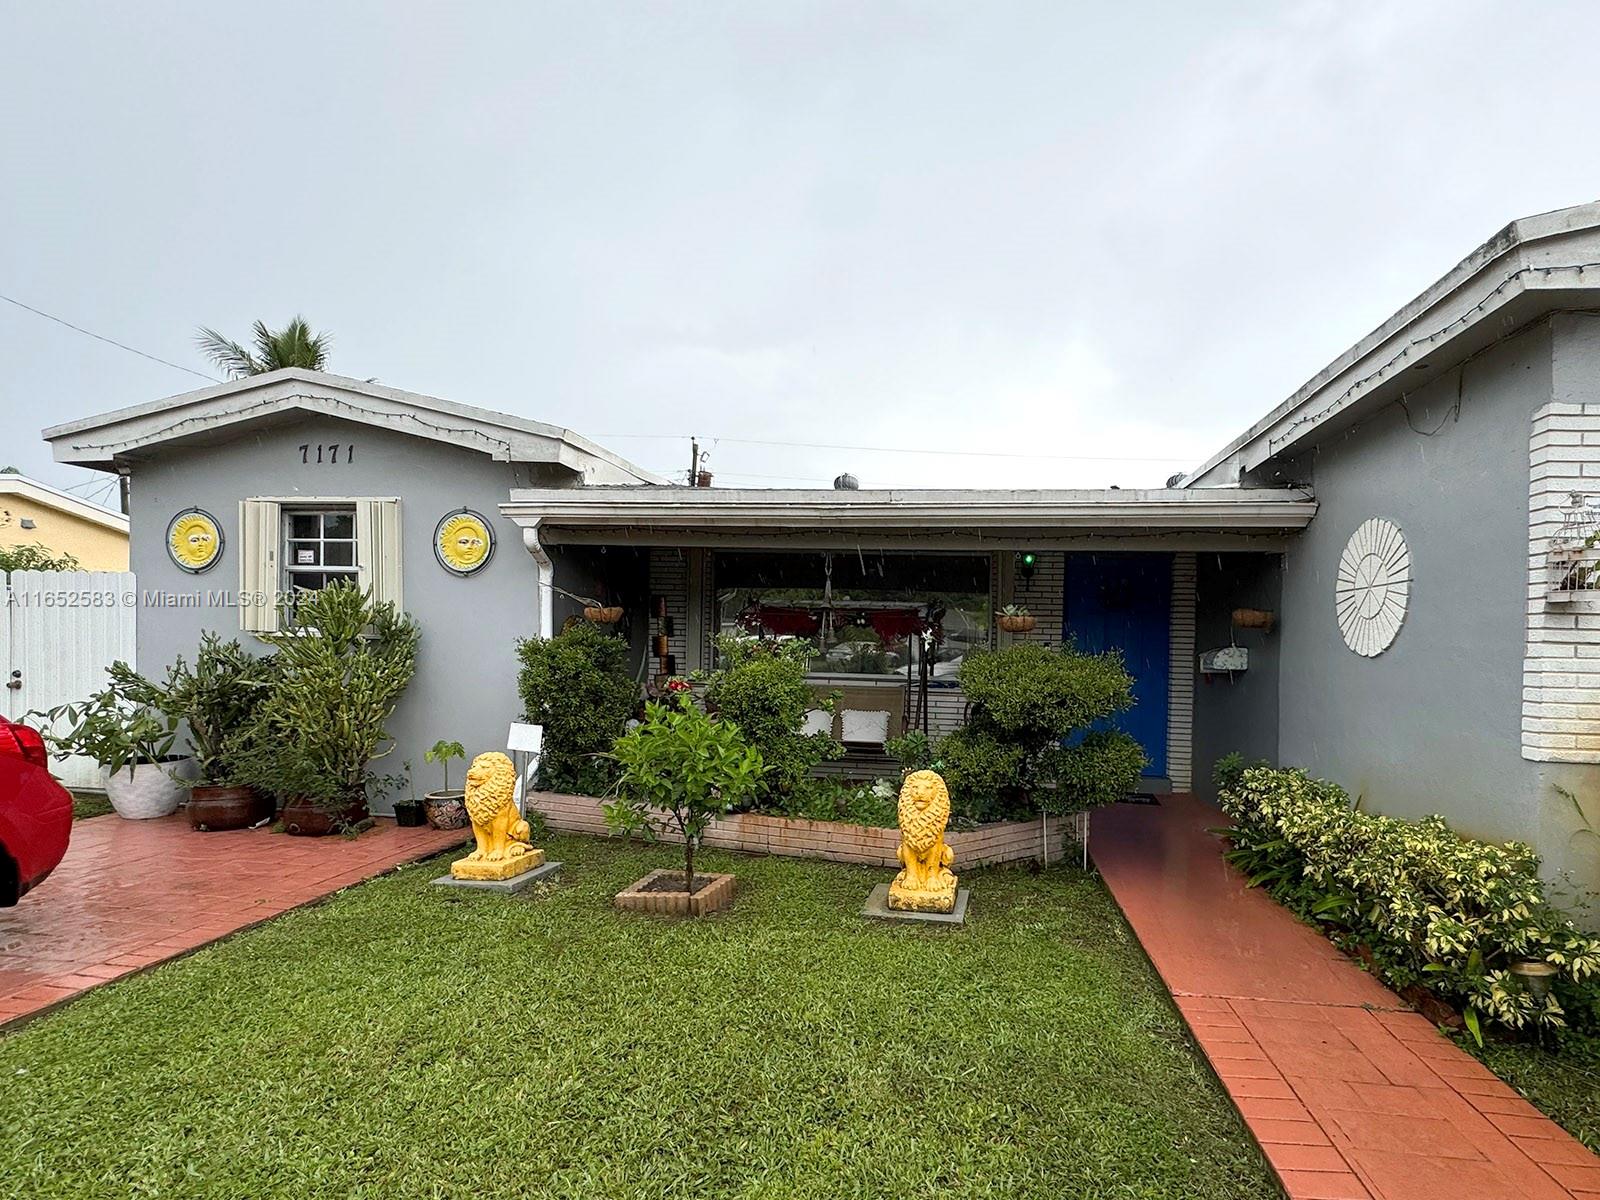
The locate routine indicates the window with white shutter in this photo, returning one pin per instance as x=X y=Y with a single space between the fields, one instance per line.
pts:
x=293 y=545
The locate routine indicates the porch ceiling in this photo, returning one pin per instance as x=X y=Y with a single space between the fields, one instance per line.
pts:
x=1221 y=518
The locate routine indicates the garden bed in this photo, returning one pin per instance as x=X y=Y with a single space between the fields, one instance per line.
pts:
x=836 y=841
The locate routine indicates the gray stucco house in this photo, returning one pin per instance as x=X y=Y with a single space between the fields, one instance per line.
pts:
x=1416 y=519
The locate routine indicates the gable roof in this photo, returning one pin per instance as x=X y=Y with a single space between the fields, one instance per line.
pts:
x=66 y=502
x=1532 y=267
x=131 y=433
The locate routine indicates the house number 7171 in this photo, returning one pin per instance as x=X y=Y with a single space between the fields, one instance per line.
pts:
x=328 y=453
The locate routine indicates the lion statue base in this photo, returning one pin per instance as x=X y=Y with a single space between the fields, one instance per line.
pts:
x=925 y=882
x=503 y=838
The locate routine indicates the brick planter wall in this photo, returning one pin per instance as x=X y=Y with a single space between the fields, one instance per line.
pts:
x=757 y=833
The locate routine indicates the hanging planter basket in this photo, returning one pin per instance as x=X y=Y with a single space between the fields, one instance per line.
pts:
x=603 y=616
x=1017 y=624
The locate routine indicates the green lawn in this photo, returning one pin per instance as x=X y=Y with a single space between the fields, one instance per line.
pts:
x=407 y=1041
x=1564 y=1082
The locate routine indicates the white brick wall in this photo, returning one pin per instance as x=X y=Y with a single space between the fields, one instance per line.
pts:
x=1180 y=673
x=1042 y=595
x=669 y=577
x=1561 y=663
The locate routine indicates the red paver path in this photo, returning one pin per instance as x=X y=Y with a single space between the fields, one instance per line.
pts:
x=132 y=893
x=1351 y=1095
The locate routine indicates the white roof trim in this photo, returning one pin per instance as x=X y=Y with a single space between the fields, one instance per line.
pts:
x=1174 y=509
x=1533 y=266
x=52 y=497
x=98 y=441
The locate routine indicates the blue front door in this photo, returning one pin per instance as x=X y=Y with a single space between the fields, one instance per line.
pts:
x=1121 y=602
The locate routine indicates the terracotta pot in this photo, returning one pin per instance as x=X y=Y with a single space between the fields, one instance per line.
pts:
x=661 y=644
x=609 y=615
x=305 y=818
x=446 y=810
x=1019 y=624
x=145 y=790
x=217 y=808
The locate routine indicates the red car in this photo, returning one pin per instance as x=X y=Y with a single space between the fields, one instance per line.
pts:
x=35 y=813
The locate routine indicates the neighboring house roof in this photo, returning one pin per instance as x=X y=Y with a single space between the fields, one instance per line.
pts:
x=66 y=502
x=942 y=517
x=129 y=434
x=1530 y=268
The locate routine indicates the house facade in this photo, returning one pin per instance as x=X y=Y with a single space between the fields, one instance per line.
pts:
x=1387 y=580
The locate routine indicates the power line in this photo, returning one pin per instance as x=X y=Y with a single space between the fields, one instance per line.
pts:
x=108 y=341
x=905 y=450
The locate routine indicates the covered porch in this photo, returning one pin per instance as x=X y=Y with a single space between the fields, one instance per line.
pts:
x=896 y=588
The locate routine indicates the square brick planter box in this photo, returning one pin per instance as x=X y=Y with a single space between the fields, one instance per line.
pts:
x=715 y=896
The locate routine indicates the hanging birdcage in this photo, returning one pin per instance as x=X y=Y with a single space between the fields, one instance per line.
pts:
x=1574 y=555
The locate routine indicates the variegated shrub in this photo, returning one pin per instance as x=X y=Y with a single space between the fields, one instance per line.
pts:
x=1430 y=906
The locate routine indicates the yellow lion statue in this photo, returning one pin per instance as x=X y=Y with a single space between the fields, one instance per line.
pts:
x=925 y=882
x=503 y=838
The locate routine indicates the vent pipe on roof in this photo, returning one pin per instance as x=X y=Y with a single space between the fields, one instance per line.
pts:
x=846 y=483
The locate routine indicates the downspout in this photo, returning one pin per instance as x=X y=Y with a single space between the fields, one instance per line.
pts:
x=547 y=579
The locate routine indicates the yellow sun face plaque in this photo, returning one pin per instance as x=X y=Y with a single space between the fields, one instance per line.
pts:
x=194 y=540
x=463 y=542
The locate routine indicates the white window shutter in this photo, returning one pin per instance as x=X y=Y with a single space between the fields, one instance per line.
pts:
x=260 y=530
x=378 y=550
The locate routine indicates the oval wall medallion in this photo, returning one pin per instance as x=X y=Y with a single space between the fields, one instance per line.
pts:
x=194 y=540
x=463 y=542
x=1373 y=587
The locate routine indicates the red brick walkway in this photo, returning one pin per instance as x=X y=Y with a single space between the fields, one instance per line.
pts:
x=1351 y=1095
x=132 y=893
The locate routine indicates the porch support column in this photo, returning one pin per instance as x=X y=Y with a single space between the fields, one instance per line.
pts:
x=547 y=578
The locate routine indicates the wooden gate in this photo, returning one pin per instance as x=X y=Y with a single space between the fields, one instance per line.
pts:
x=58 y=634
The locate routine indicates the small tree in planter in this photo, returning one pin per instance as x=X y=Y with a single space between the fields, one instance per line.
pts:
x=125 y=728
x=445 y=809
x=680 y=770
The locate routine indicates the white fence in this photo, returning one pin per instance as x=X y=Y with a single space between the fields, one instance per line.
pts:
x=58 y=634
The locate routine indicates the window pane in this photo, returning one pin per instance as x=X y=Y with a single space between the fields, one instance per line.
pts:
x=339 y=554
x=305 y=525
x=338 y=525
x=305 y=554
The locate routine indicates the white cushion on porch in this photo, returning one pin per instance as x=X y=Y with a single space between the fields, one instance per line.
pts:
x=817 y=721
x=864 y=727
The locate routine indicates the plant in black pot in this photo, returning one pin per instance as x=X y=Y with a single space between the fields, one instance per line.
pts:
x=408 y=810
x=124 y=728
x=341 y=669
x=218 y=698
x=446 y=809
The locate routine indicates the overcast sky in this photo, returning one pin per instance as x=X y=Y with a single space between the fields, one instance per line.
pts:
x=1034 y=229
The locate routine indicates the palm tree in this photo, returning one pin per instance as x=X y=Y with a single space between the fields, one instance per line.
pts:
x=292 y=346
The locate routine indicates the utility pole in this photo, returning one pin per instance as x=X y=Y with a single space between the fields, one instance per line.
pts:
x=694 y=462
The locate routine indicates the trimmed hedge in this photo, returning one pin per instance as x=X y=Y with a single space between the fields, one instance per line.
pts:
x=1434 y=909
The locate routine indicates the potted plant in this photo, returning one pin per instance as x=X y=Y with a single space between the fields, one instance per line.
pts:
x=341 y=668
x=408 y=812
x=124 y=730
x=218 y=699
x=446 y=809
x=603 y=614
x=680 y=770
x=1014 y=618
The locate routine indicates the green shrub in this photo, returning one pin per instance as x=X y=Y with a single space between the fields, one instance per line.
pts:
x=984 y=776
x=577 y=685
x=1102 y=769
x=337 y=678
x=841 y=800
x=1228 y=771
x=1434 y=909
x=913 y=751
x=1023 y=702
x=680 y=769
x=764 y=692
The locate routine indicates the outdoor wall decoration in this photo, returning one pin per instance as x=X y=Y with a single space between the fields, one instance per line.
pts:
x=194 y=540
x=1373 y=587
x=463 y=542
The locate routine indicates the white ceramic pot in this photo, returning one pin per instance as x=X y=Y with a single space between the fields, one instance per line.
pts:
x=147 y=790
